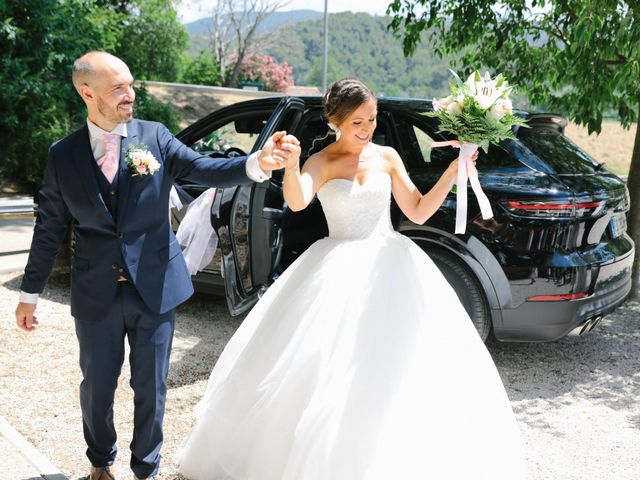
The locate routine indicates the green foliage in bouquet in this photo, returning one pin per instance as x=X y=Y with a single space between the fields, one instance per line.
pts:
x=477 y=111
x=471 y=128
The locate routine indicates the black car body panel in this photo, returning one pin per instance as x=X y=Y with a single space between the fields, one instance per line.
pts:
x=553 y=260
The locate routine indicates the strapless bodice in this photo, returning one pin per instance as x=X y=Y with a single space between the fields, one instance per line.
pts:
x=356 y=211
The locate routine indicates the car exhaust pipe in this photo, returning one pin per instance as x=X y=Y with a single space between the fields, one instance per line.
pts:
x=580 y=329
x=586 y=326
x=596 y=321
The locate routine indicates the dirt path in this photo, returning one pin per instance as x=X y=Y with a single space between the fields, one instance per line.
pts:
x=577 y=400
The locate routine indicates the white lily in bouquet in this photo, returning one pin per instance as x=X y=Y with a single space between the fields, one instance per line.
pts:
x=478 y=113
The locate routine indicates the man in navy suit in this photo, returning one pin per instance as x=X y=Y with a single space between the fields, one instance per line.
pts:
x=127 y=271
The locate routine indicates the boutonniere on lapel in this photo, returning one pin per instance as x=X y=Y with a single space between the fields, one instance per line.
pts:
x=141 y=161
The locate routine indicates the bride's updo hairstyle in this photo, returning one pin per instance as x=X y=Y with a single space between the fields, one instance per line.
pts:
x=343 y=97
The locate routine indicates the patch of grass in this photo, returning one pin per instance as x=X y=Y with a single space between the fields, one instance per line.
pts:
x=614 y=144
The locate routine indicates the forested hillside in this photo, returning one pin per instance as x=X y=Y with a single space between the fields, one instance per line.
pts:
x=271 y=22
x=200 y=30
x=359 y=45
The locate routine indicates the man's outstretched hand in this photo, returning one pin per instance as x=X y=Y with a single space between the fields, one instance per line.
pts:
x=25 y=318
x=273 y=156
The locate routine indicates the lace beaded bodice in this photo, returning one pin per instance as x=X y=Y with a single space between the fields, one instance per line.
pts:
x=356 y=211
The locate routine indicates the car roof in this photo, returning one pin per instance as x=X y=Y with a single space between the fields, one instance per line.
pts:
x=398 y=104
x=404 y=104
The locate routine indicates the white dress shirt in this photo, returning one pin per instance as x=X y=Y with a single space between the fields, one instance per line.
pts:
x=97 y=142
x=252 y=168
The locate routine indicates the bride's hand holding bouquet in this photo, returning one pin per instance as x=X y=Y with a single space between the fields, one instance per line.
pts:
x=478 y=113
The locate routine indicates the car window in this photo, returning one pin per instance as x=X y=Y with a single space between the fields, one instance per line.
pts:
x=435 y=156
x=416 y=135
x=423 y=134
x=240 y=133
x=557 y=151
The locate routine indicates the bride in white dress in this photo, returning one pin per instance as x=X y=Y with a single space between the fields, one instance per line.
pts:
x=359 y=362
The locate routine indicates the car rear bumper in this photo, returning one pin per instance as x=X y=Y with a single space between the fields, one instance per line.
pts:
x=546 y=321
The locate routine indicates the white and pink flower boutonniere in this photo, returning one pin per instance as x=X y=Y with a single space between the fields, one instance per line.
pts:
x=141 y=161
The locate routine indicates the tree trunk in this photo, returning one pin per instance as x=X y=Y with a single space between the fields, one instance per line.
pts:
x=232 y=79
x=633 y=184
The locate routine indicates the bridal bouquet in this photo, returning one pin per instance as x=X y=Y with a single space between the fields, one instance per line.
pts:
x=478 y=112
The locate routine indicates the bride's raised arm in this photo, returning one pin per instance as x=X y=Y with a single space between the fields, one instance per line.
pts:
x=417 y=207
x=301 y=186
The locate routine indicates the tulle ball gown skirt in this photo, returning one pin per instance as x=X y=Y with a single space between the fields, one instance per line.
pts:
x=359 y=363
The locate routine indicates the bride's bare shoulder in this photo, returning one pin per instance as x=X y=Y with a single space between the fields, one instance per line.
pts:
x=324 y=157
x=389 y=155
x=317 y=162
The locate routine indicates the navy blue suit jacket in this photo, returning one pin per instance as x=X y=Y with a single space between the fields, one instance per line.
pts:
x=139 y=240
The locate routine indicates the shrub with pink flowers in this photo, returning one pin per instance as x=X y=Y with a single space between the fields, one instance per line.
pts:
x=264 y=69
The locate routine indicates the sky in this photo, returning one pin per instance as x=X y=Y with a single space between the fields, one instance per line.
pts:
x=190 y=10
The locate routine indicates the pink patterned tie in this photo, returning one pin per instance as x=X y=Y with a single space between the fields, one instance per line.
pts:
x=108 y=163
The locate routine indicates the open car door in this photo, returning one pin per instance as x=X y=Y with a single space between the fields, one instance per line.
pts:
x=248 y=221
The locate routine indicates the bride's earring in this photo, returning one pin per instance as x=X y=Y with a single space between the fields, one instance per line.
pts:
x=336 y=130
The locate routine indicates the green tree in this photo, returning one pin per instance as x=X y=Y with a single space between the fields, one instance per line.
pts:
x=121 y=6
x=39 y=40
x=153 y=40
x=148 y=108
x=201 y=70
x=578 y=57
x=235 y=31
x=335 y=71
x=361 y=45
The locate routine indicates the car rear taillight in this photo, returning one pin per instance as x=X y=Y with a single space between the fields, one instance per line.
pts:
x=553 y=208
x=558 y=297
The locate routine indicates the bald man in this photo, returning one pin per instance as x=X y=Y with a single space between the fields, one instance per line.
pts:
x=127 y=270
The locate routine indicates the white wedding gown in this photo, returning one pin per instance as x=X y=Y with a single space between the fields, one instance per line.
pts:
x=358 y=363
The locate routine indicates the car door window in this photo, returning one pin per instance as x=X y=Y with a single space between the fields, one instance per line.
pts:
x=421 y=136
x=238 y=134
x=562 y=155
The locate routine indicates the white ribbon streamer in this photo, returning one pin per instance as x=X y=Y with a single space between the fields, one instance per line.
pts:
x=467 y=171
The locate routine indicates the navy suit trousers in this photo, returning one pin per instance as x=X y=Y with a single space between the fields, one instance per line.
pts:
x=101 y=356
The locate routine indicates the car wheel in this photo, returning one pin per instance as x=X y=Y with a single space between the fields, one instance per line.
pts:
x=468 y=290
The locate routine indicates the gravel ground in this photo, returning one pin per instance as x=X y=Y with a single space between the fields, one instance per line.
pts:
x=577 y=400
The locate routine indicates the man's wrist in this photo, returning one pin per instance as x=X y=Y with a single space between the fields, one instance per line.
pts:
x=28 y=297
x=252 y=167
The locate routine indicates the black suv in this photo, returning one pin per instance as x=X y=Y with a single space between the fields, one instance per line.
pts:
x=553 y=260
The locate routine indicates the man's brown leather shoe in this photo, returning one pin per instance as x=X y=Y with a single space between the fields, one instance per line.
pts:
x=102 y=473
